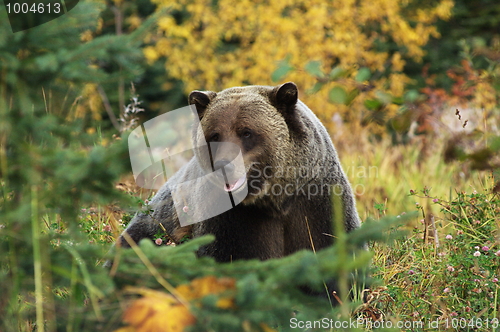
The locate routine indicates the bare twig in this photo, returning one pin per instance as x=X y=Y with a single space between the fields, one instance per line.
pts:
x=108 y=108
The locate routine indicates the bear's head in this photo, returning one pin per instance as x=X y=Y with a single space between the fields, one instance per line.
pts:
x=261 y=122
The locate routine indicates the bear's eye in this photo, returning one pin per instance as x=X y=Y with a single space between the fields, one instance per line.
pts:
x=246 y=134
x=214 y=138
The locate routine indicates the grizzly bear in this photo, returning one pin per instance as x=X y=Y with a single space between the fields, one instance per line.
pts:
x=291 y=169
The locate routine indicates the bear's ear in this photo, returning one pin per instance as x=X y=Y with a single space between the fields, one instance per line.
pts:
x=284 y=97
x=201 y=99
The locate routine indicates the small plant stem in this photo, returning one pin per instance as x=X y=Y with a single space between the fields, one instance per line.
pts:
x=37 y=258
x=154 y=272
x=94 y=293
x=495 y=307
x=339 y=231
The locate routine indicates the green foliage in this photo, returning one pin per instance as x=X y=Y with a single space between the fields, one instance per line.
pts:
x=266 y=291
x=314 y=68
x=469 y=21
x=363 y=74
x=380 y=207
x=51 y=165
x=473 y=217
x=338 y=95
x=283 y=69
x=457 y=281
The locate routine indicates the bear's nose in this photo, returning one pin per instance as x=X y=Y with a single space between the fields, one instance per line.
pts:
x=224 y=165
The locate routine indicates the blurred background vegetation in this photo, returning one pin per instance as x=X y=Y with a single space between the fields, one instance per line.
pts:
x=409 y=91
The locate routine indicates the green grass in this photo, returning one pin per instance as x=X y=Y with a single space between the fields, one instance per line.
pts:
x=455 y=280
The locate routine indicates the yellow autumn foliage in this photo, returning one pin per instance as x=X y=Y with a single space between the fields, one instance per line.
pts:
x=162 y=312
x=230 y=43
x=156 y=311
x=202 y=287
x=89 y=100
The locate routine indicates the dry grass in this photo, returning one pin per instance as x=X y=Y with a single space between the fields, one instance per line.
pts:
x=383 y=173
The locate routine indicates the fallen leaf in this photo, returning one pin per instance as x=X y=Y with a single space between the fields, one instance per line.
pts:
x=156 y=312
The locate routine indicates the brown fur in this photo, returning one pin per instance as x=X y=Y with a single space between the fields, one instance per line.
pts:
x=284 y=133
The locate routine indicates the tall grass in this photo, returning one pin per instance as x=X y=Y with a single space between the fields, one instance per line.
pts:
x=384 y=173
